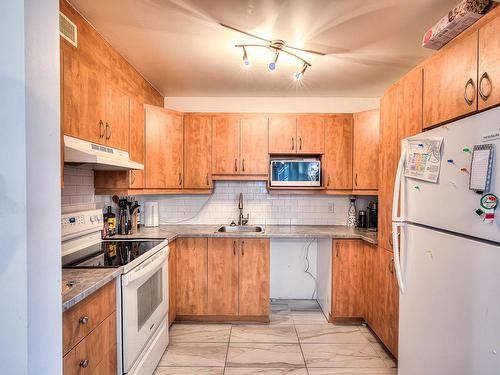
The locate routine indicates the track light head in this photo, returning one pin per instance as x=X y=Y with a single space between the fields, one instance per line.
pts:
x=246 y=62
x=299 y=75
x=272 y=64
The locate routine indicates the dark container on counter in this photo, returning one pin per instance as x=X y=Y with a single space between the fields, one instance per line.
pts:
x=362 y=219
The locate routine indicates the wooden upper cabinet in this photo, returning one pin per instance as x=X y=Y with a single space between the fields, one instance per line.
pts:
x=310 y=135
x=117 y=118
x=82 y=94
x=254 y=146
x=338 y=153
x=348 y=267
x=137 y=150
x=163 y=149
x=192 y=263
x=388 y=159
x=254 y=271
x=366 y=150
x=283 y=135
x=226 y=145
x=222 y=276
x=409 y=105
x=197 y=152
x=489 y=64
x=450 y=82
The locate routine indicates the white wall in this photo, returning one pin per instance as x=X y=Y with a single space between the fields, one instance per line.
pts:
x=30 y=270
x=271 y=104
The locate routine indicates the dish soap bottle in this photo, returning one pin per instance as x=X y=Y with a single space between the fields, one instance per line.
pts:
x=351 y=213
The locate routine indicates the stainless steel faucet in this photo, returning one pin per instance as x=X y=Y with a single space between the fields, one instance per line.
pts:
x=242 y=220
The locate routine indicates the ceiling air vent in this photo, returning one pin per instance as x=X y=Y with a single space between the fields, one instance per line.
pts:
x=67 y=29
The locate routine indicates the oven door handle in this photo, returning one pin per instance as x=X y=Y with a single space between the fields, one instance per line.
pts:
x=148 y=267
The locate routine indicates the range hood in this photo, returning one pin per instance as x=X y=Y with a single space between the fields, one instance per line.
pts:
x=103 y=158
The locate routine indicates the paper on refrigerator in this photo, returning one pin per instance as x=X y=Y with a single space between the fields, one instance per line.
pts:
x=423 y=158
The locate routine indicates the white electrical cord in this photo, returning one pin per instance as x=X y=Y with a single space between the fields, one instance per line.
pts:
x=308 y=266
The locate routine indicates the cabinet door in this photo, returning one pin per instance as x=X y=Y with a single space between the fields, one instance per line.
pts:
x=222 y=276
x=390 y=309
x=366 y=150
x=117 y=118
x=348 y=267
x=82 y=100
x=254 y=149
x=283 y=135
x=310 y=135
x=137 y=142
x=338 y=153
x=163 y=149
x=226 y=145
x=446 y=77
x=197 y=152
x=253 y=277
x=388 y=156
x=172 y=282
x=409 y=106
x=489 y=64
x=191 y=276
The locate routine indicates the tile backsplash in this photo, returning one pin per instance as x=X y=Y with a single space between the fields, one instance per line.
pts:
x=222 y=206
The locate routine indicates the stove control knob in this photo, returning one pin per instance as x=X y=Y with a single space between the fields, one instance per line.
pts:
x=92 y=219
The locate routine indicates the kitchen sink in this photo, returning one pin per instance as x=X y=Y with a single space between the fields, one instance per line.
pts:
x=241 y=229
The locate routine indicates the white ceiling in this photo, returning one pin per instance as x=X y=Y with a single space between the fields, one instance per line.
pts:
x=181 y=49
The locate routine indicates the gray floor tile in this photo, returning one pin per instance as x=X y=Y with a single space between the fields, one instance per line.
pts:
x=265 y=371
x=200 y=333
x=308 y=317
x=384 y=355
x=341 y=355
x=189 y=371
x=264 y=355
x=330 y=334
x=194 y=354
x=352 y=371
x=264 y=334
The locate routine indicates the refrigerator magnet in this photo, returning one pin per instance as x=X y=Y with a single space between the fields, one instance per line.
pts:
x=489 y=201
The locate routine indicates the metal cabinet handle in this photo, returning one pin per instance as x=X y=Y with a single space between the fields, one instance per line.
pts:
x=300 y=143
x=108 y=134
x=243 y=165
x=208 y=183
x=236 y=165
x=293 y=143
x=84 y=363
x=329 y=180
x=338 y=249
x=102 y=131
x=234 y=247
x=133 y=177
x=484 y=96
x=84 y=320
x=468 y=100
x=242 y=247
x=390 y=240
x=356 y=179
x=180 y=179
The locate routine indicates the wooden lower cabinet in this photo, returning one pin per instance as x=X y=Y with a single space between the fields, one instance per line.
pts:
x=89 y=334
x=348 y=268
x=172 y=282
x=382 y=296
x=222 y=279
x=191 y=257
x=222 y=276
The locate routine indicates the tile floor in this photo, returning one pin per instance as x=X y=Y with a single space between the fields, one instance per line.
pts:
x=297 y=341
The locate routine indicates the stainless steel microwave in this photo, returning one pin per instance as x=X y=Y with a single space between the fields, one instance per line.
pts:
x=295 y=172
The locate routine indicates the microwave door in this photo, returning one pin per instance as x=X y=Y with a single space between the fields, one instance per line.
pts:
x=295 y=173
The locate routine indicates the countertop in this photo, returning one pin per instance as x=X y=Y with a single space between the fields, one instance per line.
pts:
x=88 y=281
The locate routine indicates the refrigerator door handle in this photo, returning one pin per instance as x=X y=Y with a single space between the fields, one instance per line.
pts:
x=397 y=258
x=397 y=188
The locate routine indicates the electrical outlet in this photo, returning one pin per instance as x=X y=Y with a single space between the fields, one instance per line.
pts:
x=331 y=208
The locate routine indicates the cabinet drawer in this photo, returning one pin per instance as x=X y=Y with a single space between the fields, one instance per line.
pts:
x=96 y=354
x=82 y=318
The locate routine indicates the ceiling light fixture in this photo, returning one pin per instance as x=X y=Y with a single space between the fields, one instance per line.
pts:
x=299 y=75
x=277 y=46
x=246 y=62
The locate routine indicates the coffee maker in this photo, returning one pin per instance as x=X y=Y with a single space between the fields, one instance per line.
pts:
x=372 y=216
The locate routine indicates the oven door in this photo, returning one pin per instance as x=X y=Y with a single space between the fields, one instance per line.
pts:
x=144 y=304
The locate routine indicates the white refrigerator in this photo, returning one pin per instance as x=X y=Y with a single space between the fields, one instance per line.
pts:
x=448 y=260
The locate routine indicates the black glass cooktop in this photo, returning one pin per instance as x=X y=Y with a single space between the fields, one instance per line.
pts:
x=108 y=254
